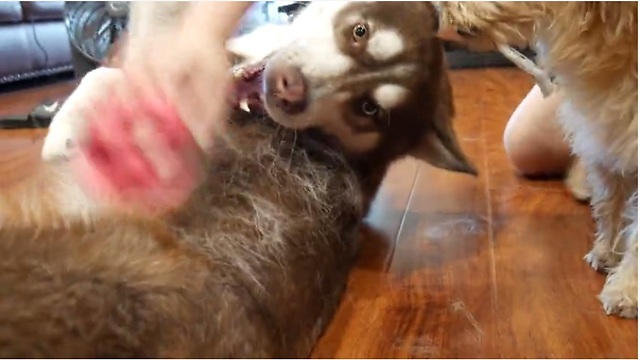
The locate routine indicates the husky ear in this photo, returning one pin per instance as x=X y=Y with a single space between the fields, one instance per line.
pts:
x=259 y=43
x=439 y=146
x=441 y=150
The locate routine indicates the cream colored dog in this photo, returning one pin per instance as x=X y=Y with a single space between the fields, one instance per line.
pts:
x=591 y=50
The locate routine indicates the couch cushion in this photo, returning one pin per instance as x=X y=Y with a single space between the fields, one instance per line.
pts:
x=16 y=50
x=42 y=10
x=10 y=12
x=23 y=48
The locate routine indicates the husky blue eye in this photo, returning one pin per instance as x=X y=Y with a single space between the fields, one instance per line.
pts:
x=360 y=31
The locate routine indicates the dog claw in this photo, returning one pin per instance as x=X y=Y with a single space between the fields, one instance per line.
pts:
x=593 y=261
x=619 y=295
x=601 y=262
x=619 y=305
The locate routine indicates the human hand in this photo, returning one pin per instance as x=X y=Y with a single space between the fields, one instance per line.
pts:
x=144 y=143
x=137 y=154
x=189 y=64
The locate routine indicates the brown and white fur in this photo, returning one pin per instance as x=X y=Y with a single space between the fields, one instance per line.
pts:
x=255 y=262
x=591 y=48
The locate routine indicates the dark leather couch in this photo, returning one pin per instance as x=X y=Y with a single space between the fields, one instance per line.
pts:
x=33 y=40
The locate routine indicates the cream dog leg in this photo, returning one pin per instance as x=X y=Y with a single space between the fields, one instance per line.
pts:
x=615 y=207
x=620 y=293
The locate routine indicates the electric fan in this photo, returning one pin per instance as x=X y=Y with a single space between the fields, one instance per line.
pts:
x=93 y=26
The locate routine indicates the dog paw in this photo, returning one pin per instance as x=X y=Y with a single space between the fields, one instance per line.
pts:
x=619 y=302
x=602 y=261
x=619 y=295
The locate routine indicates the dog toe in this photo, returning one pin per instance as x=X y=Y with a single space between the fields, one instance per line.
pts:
x=619 y=295
x=601 y=261
x=619 y=304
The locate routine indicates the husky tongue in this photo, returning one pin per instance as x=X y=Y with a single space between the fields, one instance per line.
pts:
x=248 y=88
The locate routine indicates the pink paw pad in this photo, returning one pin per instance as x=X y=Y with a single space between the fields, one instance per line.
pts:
x=138 y=153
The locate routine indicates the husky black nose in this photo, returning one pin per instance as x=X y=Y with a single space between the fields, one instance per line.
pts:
x=289 y=89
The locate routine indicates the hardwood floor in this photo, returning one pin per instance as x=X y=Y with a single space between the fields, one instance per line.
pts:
x=452 y=266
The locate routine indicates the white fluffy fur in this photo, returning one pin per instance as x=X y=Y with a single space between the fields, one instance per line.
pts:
x=316 y=52
x=257 y=45
x=385 y=44
x=390 y=95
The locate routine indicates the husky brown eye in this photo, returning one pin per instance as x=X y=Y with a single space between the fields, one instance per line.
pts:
x=360 y=31
x=368 y=108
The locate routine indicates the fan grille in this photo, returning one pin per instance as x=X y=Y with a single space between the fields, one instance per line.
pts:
x=92 y=27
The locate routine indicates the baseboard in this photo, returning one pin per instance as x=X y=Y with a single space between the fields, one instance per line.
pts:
x=36 y=82
x=462 y=59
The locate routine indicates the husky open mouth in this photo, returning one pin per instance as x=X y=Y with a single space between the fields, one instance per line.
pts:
x=276 y=92
x=248 y=88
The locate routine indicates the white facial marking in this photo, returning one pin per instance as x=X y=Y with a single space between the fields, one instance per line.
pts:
x=385 y=44
x=259 y=43
x=389 y=95
x=314 y=49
